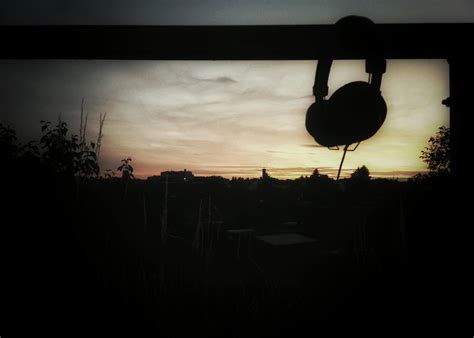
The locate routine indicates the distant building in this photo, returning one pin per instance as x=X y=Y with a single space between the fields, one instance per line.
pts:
x=178 y=175
x=173 y=176
x=265 y=174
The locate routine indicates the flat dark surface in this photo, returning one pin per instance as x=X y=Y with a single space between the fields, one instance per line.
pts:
x=295 y=42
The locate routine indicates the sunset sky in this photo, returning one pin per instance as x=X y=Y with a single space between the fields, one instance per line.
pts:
x=228 y=118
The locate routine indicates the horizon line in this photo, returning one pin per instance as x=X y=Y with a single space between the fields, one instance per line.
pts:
x=331 y=173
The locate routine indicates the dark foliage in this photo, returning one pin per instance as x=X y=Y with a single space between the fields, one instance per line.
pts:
x=438 y=153
x=127 y=169
x=66 y=154
x=361 y=174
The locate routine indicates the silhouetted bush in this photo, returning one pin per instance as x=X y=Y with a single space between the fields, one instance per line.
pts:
x=438 y=153
x=65 y=154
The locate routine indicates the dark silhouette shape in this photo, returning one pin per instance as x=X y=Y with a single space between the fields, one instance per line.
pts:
x=315 y=173
x=356 y=111
x=67 y=155
x=438 y=154
x=127 y=174
x=109 y=174
x=361 y=174
x=127 y=169
x=177 y=176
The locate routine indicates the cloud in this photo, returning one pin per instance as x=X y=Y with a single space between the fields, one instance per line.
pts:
x=396 y=173
x=220 y=79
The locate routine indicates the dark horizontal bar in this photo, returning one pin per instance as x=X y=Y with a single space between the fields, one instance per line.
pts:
x=226 y=42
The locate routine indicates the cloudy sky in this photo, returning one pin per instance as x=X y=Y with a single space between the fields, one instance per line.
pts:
x=223 y=117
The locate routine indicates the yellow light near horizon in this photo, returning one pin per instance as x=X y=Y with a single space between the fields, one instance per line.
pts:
x=267 y=105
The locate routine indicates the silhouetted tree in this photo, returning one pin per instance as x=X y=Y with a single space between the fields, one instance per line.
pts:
x=437 y=154
x=361 y=174
x=67 y=155
x=315 y=173
x=127 y=173
x=126 y=169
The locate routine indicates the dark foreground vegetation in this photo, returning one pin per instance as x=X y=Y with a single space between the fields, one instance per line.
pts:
x=105 y=256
